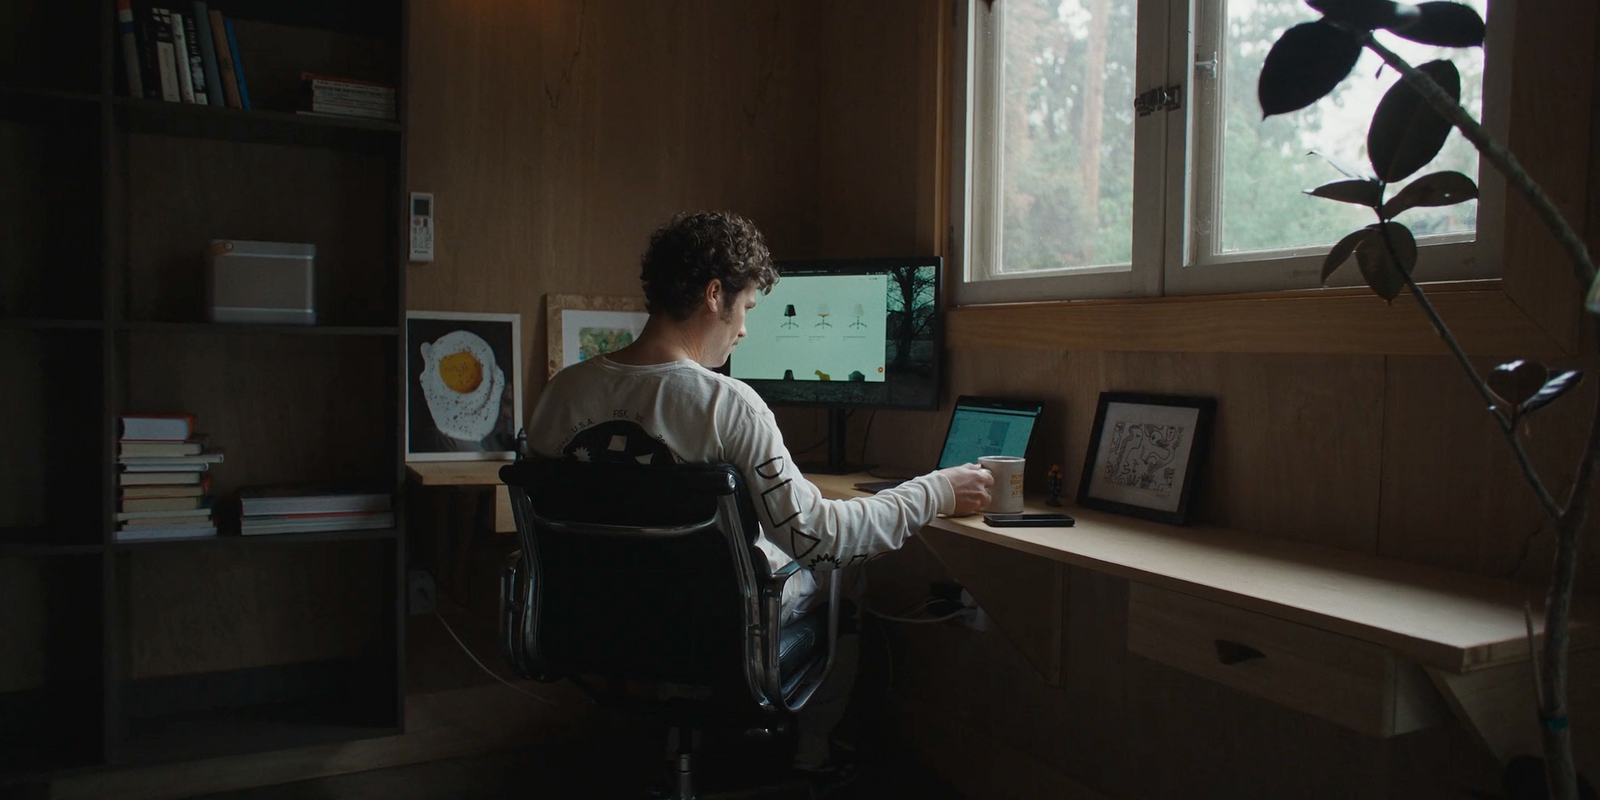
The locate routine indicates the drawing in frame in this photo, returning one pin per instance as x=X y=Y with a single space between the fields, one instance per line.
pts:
x=582 y=327
x=463 y=386
x=1145 y=453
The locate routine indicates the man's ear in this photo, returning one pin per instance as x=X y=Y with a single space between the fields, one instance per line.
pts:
x=713 y=298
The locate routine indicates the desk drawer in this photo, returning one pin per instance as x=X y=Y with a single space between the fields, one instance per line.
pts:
x=1354 y=683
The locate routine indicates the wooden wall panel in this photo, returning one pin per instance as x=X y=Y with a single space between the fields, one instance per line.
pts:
x=206 y=609
x=24 y=658
x=1295 y=447
x=557 y=135
x=877 y=193
x=1550 y=135
x=1453 y=495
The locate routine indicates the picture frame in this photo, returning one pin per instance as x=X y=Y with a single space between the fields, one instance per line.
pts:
x=582 y=327
x=463 y=386
x=1145 y=453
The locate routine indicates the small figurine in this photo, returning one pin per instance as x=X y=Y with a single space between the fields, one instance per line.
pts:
x=1052 y=483
x=522 y=450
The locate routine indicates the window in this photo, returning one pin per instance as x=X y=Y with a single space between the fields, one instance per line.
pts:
x=1064 y=191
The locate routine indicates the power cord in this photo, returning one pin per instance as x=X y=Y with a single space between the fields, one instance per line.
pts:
x=491 y=673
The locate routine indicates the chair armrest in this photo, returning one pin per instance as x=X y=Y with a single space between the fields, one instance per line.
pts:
x=772 y=618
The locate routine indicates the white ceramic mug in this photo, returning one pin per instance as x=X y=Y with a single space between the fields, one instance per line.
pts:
x=1006 y=493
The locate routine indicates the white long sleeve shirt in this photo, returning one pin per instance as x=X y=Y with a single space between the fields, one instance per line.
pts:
x=681 y=412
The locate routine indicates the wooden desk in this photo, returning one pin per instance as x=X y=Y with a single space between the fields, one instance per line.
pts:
x=1467 y=631
x=459 y=489
x=468 y=475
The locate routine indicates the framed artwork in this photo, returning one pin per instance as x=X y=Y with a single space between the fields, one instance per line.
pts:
x=463 y=385
x=583 y=327
x=1144 y=454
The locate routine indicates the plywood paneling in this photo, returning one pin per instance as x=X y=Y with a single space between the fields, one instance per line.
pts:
x=1549 y=133
x=557 y=135
x=1453 y=495
x=879 y=172
x=1350 y=321
x=1295 y=448
x=1021 y=594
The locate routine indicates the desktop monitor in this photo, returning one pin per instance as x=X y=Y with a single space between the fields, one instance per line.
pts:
x=846 y=334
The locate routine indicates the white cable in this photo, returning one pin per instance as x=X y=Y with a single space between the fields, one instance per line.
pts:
x=512 y=686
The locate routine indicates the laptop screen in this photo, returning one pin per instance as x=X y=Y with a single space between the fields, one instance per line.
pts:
x=985 y=431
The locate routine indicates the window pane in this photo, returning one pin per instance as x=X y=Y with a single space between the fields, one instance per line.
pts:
x=1067 y=128
x=1264 y=164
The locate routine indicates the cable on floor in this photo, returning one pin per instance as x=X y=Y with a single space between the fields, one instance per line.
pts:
x=491 y=673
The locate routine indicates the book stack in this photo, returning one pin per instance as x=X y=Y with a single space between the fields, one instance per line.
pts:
x=165 y=488
x=301 y=509
x=185 y=53
x=345 y=97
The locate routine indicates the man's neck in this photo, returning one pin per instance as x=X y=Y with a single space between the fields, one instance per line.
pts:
x=661 y=342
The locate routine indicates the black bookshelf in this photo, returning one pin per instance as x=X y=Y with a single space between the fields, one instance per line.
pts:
x=229 y=329
x=99 y=316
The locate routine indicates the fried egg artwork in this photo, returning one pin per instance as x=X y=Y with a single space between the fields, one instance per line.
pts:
x=462 y=385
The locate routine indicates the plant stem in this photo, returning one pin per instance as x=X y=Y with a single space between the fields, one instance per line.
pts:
x=1559 y=766
x=1507 y=427
x=1497 y=154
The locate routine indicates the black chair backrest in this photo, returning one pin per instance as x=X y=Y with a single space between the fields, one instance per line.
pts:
x=635 y=572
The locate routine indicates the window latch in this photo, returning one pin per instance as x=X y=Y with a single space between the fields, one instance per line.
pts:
x=1161 y=98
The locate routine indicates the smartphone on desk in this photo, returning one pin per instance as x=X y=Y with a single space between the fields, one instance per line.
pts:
x=1029 y=520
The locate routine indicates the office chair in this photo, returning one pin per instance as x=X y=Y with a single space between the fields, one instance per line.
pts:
x=634 y=573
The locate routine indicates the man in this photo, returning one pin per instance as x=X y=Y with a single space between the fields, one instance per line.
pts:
x=657 y=401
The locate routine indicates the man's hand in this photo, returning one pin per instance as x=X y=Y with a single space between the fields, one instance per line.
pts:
x=971 y=483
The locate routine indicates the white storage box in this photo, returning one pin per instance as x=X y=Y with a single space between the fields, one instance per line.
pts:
x=262 y=282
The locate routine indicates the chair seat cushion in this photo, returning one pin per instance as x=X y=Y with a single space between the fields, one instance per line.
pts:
x=800 y=641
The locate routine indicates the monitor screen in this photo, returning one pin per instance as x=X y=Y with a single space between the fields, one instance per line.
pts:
x=856 y=332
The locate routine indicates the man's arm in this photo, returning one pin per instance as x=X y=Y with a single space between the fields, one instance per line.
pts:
x=822 y=533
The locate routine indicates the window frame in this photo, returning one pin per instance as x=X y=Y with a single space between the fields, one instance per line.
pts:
x=1165 y=260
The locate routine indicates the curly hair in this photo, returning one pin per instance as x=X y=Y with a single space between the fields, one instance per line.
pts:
x=687 y=253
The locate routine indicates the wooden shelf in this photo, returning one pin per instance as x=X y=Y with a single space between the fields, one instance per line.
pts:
x=27 y=550
x=226 y=328
x=52 y=324
x=265 y=127
x=262 y=540
x=1346 y=321
x=455 y=473
x=15 y=93
x=1433 y=617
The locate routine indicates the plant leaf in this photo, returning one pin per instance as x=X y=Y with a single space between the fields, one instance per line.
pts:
x=1349 y=170
x=1406 y=132
x=1363 y=14
x=1304 y=65
x=1516 y=382
x=1341 y=252
x=1440 y=24
x=1361 y=193
x=1385 y=271
x=1434 y=189
x=1558 y=384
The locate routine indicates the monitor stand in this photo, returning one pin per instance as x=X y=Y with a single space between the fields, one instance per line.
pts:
x=836 y=464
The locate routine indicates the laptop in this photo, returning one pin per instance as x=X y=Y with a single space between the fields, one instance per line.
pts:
x=980 y=426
